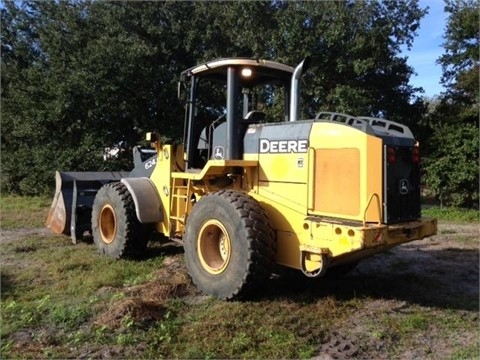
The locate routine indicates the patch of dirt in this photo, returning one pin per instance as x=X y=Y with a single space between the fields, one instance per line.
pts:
x=144 y=304
x=338 y=347
x=141 y=312
x=441 y=272
x=446 y=264
x=11 y=235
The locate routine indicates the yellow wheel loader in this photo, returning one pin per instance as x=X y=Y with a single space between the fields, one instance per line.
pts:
x=253 y=187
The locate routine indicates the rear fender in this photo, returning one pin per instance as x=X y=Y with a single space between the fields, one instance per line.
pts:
x=146 y=198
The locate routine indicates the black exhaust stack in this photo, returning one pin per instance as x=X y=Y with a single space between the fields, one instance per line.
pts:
x=232 y=143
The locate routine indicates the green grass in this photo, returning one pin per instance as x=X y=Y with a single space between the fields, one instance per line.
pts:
x=412 y=328
x=60 y=300
x=452 y=214
x=66 y=268
x=467 y=353
x=23 y=212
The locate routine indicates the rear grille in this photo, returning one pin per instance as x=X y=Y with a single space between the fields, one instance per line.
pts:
x=402 y=185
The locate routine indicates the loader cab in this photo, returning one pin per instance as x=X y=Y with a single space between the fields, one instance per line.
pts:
x=225 y=97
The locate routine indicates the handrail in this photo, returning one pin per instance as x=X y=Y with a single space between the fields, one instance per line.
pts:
x=379 y=209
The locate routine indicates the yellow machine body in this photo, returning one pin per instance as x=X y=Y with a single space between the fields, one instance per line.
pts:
x=325 y=204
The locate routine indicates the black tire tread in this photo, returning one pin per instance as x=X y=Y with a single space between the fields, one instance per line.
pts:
x=260 y=242
x=133 y=244
x=134 y=229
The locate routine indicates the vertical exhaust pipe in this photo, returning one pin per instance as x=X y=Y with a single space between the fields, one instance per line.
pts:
x=295 y=88
x=232 y=145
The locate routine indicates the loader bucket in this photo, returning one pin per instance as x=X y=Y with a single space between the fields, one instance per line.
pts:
x=70 y=213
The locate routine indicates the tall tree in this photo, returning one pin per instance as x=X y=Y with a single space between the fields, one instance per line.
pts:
x=453 y=159
x=460 y=61
x=97 y=73
x=78 y=76
x=355 y=45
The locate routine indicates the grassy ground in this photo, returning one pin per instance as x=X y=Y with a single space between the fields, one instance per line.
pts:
x=452 y=214
x=23 y=212
x=60 y=300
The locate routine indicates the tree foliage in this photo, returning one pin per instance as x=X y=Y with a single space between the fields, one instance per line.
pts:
x=78 y=76
x=81 y=76
x=451 y=169
x=460 y=61
x=360 y=42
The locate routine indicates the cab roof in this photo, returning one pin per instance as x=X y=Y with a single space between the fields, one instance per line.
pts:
x=261 y=70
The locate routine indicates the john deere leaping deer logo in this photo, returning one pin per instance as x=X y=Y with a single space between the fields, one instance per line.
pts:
x=218 y=153
x=403 y=186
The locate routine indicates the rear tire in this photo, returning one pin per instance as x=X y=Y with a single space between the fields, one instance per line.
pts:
x=229 y=245
x=115 y=228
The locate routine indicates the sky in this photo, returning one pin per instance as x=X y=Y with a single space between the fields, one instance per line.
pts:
x=427 y=48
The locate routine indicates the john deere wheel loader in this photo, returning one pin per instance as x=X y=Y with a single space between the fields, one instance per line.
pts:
x=253 y=187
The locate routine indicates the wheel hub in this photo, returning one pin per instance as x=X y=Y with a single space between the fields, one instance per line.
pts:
x=214 y=248
x=107 y=223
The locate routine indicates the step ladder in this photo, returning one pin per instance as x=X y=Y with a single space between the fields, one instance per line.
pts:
x=180 y=204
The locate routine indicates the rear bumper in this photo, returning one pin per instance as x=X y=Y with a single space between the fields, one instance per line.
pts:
x=344 y=242
x=377 y=238
x=385 y=235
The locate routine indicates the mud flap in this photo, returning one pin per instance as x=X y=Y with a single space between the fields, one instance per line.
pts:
x=70 y=212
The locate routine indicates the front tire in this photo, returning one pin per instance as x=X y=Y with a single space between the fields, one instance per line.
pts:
x=229 y=245
x=115 y=228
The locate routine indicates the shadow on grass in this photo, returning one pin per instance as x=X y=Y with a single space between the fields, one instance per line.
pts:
x=157 y=249
x=6 y=282
x=445 y=278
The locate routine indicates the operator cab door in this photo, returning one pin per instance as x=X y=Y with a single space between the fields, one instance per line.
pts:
x=206 y=111
x=214 y=107
x=224 y=102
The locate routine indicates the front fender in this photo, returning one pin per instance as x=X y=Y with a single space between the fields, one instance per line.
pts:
x=146 y=198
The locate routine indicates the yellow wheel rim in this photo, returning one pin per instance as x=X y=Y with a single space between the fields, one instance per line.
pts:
x=107 y=223
x=214 y=247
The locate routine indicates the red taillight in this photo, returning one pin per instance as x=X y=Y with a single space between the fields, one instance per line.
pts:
x=391 y=155
x=415 y=154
